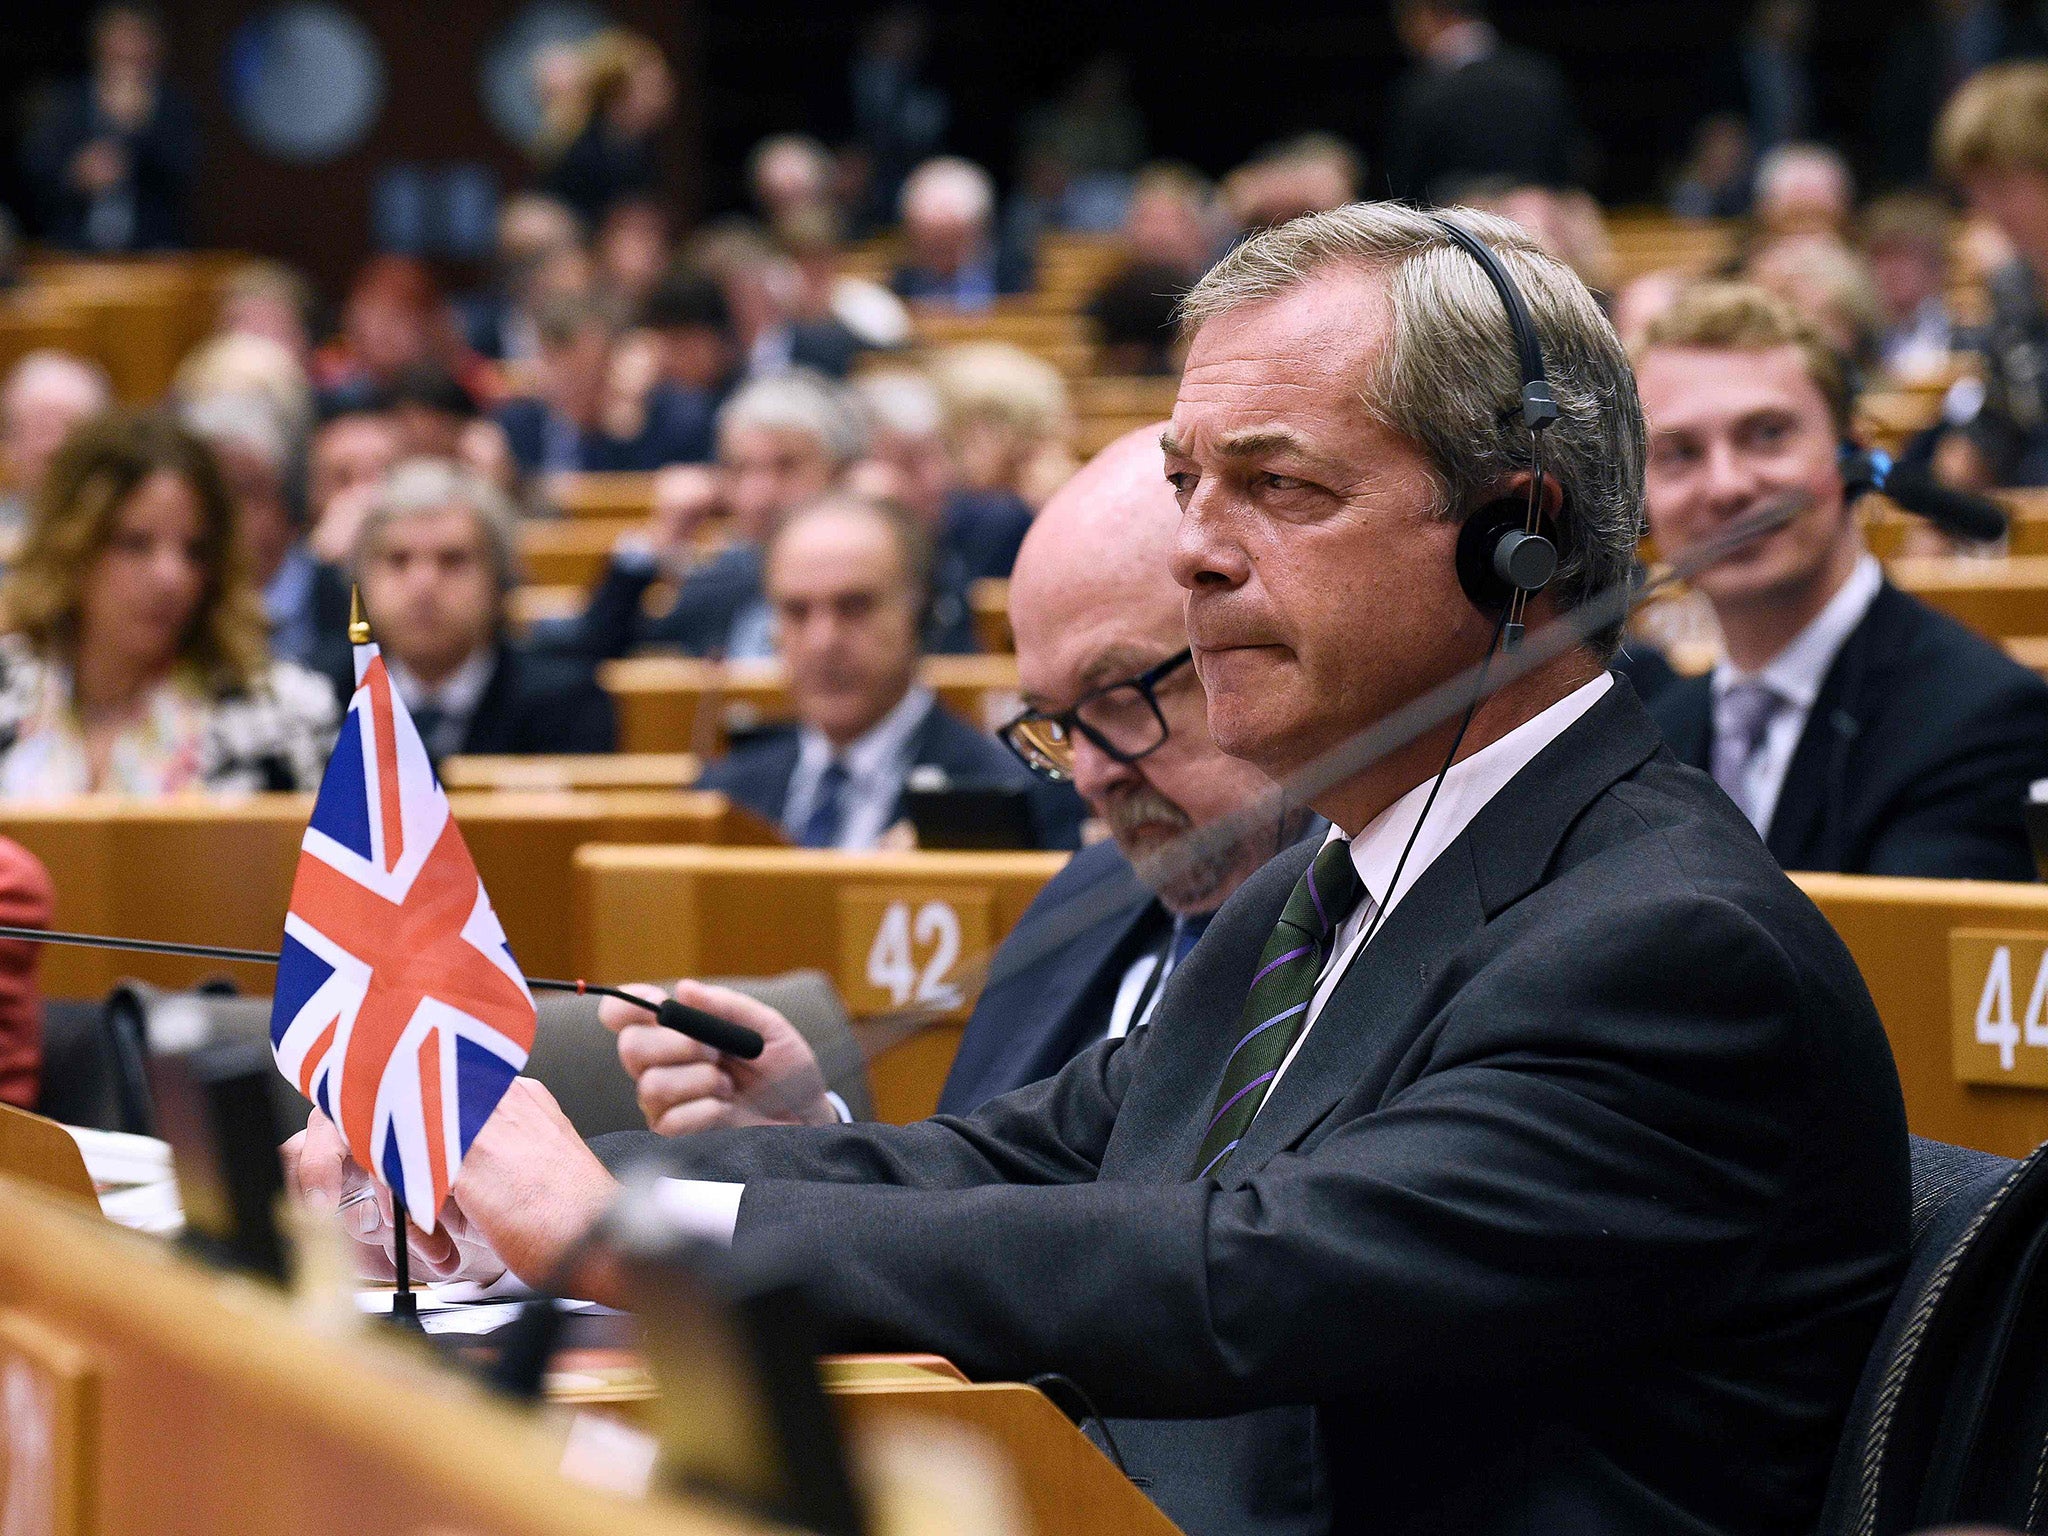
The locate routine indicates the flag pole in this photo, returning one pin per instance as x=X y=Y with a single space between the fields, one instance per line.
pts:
x=405 y=1306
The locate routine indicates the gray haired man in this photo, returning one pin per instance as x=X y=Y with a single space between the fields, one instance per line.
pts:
x=1527 y=1156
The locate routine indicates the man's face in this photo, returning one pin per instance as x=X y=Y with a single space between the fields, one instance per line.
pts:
x=256 y=486
x=430 y=590
x=2017 y=202
x=919 y=471
x=35 y=423
x=941 y=239
x=696 y=356
x=572 y=374
x=1321 y=588
x=769 y=470
x=350 y=452
x=846 y=621
x=1072 y=644
x=1730 y=430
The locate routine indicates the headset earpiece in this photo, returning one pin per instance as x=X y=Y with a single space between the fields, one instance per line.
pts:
x=1498 y=556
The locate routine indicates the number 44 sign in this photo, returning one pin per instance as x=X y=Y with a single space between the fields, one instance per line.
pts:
x=1998 y=986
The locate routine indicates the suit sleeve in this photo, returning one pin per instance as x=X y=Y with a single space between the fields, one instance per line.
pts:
x=588 y=722
x=1050 y=1132
x=610 y=625
x=1589 y=1161
x=1963 y=818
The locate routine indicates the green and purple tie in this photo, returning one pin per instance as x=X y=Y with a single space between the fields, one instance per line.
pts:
x=1276 y=1012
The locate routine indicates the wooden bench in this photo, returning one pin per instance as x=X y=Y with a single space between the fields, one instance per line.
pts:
x=687 y=704
x=1972 y=1046
x=618 y=497
x=208 y=871
x=589 y=770
x=2001 y=599
x=570 y=551
x=896 y=931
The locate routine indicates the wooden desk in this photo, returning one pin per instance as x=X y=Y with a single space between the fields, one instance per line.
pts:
x=572 y=552
x=989 y=601
x=1904 y=936
x=895 y=930
x=181 y=1401
x=685 y=704
x=1998 y=598
x=588 y=770
x=619 y=497
x=219 y=871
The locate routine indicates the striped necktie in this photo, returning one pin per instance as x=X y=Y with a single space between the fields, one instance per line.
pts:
x=1276 y=1012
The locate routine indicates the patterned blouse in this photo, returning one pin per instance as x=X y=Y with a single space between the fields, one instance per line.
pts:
x=273 y=734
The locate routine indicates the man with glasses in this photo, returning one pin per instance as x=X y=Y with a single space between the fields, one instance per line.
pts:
x=1115 y=710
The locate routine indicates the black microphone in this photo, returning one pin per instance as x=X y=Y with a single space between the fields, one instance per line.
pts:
x=1960 y=514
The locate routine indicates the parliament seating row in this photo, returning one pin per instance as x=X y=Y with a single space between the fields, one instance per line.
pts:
x=217 y=872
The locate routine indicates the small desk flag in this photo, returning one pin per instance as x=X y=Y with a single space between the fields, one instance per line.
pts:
x=399 y=1010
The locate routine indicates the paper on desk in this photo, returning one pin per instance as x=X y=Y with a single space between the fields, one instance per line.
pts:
x=146 y=1208
x=116 y=1158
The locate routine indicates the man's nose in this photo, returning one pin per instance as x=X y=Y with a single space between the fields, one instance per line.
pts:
x=1206 y=552
x=1096 y=773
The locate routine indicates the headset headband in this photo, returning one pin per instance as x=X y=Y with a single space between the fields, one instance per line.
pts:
x=1539 y=410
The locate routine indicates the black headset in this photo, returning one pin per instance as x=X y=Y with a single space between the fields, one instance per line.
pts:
x=1506 y=550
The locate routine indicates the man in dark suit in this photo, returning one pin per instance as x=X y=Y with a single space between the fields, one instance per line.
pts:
x=1858 y=729
x=1526 y=1156
x=563 y=425
x=1473 y=108
x=435 y=560
x=952 y=259
x=848 y=582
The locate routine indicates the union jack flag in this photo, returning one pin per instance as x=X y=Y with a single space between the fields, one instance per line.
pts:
x=399 y=1010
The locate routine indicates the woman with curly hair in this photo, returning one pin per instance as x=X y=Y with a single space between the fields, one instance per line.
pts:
x=135 y=658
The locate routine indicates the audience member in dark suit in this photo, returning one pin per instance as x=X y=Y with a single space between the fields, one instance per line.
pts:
x=435 y=560
x=781 y=442
x=568 y=423
x=1473 y=108
x=111 y=157
x=848 y=582
x=952 y=257
x=1547 y=1174
x=700 y=359
x=1095 y=609
x=1858 y=729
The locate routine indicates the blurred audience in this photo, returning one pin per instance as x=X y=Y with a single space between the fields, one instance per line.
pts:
x=28 y=899
x=269 y=300
x=1803 y=189
x=1079 y=153
x=973 y=534
x=1774 y=60
x=1568 y=224
x=781 y=442
x=394 y=319
x=44 y=397
x=539 y=253
x=899 y=118
x=632 y=252
x=822 y=296
x=110 y=158
x=436 y=559
x=698 y=362
x=1860 y=730
x=950 y=255
x=1929 y=55
x=1993 y=143
x=1009 y=419
x=241 y=363
x=135 y=656
x=1309 y=174
x=1472 y=106
x=349 y=454
x=1714 y=181
x=255 y=451
x=604 y=121
x=1905 y=242
x=1171 y=236
x=1827 y=283
x=849 y=581
x=788 y=174
x=574 y=420
x=762 y=288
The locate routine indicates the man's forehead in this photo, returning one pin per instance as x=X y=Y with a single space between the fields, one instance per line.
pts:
x=1687 y=385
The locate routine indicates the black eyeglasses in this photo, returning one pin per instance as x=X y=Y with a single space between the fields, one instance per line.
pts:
x=1123 y=719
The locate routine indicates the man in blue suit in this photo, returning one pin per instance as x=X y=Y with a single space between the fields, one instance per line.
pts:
x=847 y=583
x=1093 y=605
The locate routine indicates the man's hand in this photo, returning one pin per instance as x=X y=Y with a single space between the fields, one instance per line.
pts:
x=685 y=1085
x=320 y=1173
x=529 y=1187
x=688 y=498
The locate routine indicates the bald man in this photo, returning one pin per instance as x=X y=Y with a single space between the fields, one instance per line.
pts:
x=1094 y=608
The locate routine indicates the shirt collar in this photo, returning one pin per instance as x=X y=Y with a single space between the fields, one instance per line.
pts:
x=458 y=696
x=1466 y=789
x=1796 y=673
x=876 y=752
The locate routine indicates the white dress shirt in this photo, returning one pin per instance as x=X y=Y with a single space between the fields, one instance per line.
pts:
x=1795 y=675
x=876 y=765
x=456 y=698
x=709 y=1208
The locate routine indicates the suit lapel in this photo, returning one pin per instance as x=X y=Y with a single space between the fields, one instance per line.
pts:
x=1806 y=829
x=491 y=719
x=1505 y=853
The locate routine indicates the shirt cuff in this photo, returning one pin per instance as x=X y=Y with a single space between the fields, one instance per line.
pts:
x=702 y=1207
x=839 y=1107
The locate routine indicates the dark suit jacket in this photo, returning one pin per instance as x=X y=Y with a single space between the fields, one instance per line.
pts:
x=1034 y=1018
x=670 y=436
x=532 y=704
x=757 y=775
x=698 y=623
x=1507 y=115
x=1915 y=759
x=1577 y=1210
x=163 y=154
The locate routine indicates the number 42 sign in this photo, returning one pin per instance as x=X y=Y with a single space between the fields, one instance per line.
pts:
x=1998 y=987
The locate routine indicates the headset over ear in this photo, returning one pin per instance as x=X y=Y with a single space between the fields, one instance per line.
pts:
x=1505 y=552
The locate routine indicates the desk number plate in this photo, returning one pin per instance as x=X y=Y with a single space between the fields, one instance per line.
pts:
x=905 y=946
x=1998 y=991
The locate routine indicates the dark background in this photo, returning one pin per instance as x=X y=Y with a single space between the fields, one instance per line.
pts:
x=1214 y=81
